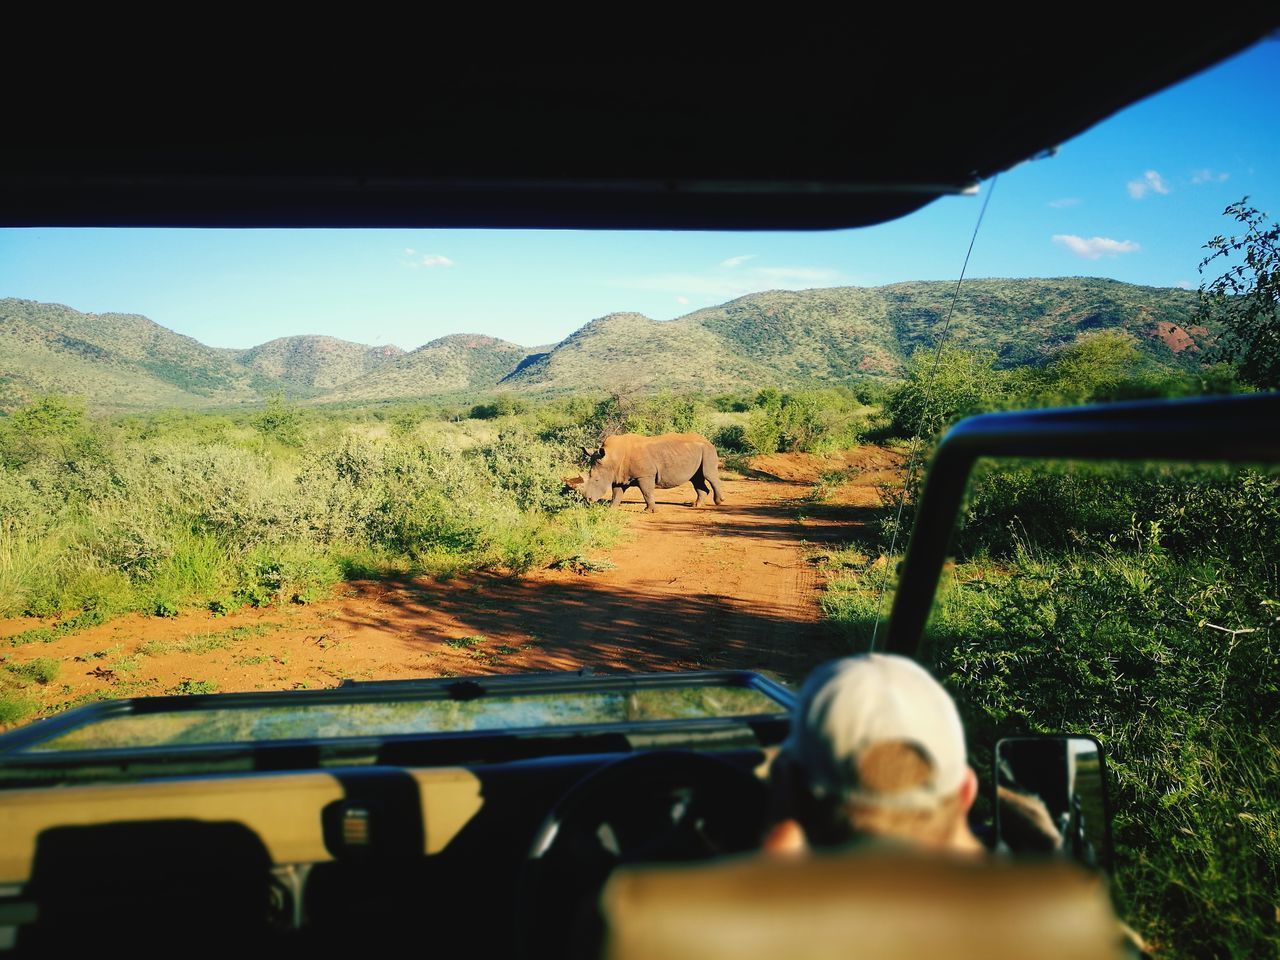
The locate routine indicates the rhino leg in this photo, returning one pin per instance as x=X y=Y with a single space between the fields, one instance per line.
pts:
x=711 y=473
x=617 y=496
x=646 y=490
x=699 y=487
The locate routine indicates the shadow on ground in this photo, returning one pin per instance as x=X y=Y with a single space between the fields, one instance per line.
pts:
x=576 y=624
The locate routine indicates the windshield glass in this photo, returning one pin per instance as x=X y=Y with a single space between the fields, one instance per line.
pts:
x=329 y=721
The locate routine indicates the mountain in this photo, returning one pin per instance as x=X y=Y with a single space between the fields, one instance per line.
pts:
x=804 y=336
x=119 y=360
x=630 y=350
x=125 y=361
x=1025 y=321
x=316 y=362
x=457 y=363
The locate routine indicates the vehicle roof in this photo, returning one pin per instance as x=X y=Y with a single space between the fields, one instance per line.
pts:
x=774 y=128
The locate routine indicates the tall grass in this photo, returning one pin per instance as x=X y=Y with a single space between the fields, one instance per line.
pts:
x=159 y=515
x=1142 y=606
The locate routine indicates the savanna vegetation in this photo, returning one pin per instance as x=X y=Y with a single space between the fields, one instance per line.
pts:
x=1140 y=604
x=155 y=514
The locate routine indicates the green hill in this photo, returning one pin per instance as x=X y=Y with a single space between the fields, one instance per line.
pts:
x=117 y=360
x=124 y=361
x=806 y=336
x=630 y=350
x=1024 y=321
x=317 y=362
x=453 y=364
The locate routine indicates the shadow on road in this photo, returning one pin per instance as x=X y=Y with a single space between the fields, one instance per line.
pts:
x=571 y=624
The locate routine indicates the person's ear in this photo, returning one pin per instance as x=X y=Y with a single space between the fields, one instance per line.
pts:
x=968 y=789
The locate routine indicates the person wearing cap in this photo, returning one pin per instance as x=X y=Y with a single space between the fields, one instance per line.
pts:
x=876 y=755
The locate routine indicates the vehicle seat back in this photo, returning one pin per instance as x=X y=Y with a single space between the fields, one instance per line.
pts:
x=864 y=905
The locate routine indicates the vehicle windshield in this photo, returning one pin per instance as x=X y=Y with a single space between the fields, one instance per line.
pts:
x=260 y=461
x=315 y=719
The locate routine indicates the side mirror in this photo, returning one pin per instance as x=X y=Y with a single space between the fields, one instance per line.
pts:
x=1051 y=798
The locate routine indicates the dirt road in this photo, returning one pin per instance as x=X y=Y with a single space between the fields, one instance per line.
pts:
x=723 y=587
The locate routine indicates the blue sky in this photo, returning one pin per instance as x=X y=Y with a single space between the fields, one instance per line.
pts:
x=1134 y=199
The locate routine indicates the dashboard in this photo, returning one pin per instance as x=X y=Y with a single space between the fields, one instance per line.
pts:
x=317 y=817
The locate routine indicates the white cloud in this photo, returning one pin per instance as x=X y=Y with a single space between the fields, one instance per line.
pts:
x=1095 y=247
x=737 y=261
x=1150 y=182
x=1208 y=176
x=1065 y=202
x=1184 y=285
x=436 y=260
x=409 y=251
x=682 y=300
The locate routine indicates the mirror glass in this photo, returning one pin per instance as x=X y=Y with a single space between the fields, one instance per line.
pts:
x=1051 y=798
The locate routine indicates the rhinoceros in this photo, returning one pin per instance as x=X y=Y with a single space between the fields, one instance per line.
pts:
x=631 y=460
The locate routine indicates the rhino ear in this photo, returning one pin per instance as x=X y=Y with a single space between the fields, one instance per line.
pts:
x=588 y=454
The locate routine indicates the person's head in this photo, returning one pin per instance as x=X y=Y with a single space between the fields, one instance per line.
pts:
x=877 y=748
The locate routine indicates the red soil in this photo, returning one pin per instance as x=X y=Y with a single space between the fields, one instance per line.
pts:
x=716 y=587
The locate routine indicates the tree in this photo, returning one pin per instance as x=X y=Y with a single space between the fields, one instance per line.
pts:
x=280 y=420
x=1245 y=299
x=941 y=389
x=51 y=428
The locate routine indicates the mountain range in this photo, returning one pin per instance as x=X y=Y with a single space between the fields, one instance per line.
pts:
x=124 y=361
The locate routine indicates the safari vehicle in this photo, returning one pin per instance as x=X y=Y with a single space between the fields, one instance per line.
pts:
x=485 y=812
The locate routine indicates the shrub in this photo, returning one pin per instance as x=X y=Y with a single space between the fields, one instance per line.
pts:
x=280 y=421
x=731 y=439
x=939 y=392
x=39 y=670
x=814 y=421
x=504 y=406
x=192 y=688
x=15 y=706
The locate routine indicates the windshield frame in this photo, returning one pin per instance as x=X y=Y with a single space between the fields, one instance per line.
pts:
x=18 y=762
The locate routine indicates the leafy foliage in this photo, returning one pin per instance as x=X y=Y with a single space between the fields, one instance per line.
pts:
x=1146 y=611
x=503 y=406
x=280 y=421
x=1245 y=298
x=1172 y=664
x=1138 y=604
x=157 y=515
x=942 y=388
x=812 y=421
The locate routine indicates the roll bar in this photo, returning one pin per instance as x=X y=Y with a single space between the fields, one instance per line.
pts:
x=1238 y=429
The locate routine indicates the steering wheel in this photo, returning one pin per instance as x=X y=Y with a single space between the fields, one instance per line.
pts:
x=659 y=807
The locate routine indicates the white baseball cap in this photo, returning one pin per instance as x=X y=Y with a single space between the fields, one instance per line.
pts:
x=849 y=705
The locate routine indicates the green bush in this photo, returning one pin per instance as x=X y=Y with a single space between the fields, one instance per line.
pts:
x=1139 y=605
x=731 y=439
x=1175 y=665
x=1139 y=650
x=504 y=406
x=812 y=421
x=1189 y=511
x=280 y=421
x=39 y=670
x=15 y=706
x=940 y=389
x=168 y=518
